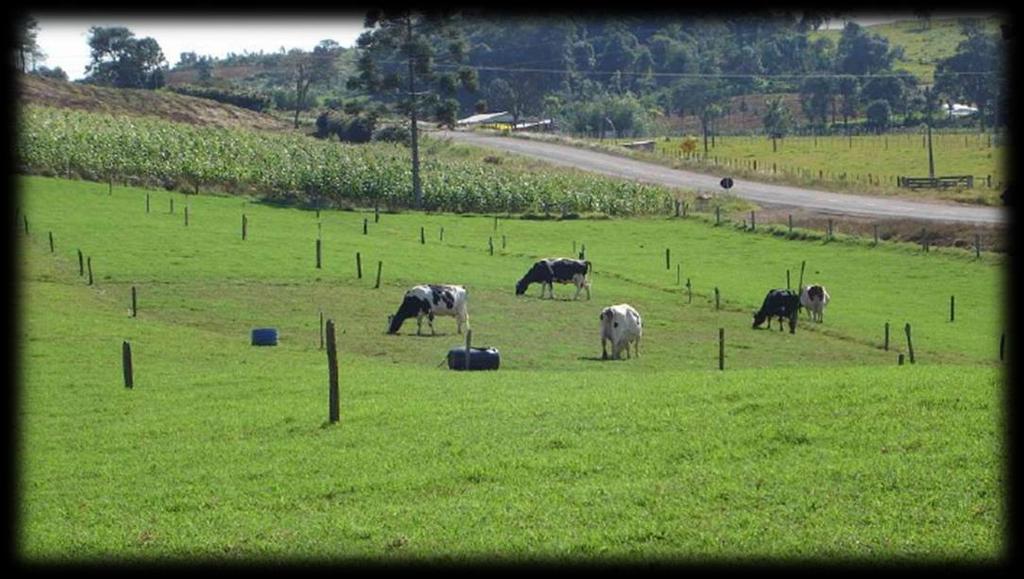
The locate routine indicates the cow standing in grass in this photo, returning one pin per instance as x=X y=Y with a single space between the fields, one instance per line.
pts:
x=430 y=301
x=815 y=298
x=783 y=304
x=621 y=325
x=552 y=270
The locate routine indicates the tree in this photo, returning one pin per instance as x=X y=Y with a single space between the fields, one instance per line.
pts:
x=777 y=120
x=26 y=46
x=309 y=68
x=698 y=96
x=974 y=72
x=123 y=61
x=848 y=88
x=815 y=96
x=56 y=73
x=408 y=57
x=860 y=52
x=878 y=114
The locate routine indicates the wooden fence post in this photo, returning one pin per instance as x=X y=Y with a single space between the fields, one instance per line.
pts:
x=135 y=309
x=787 y=279
x=716 y=298
x=802 y=265
x=469 y=341
x=689 y=292
x=791 y=224
x=504 y=241
x=490 y=245
x=244 y=226
x=171 y=210
x=321 y=329
x=886 y=344
x=186 y=215
x=910 y=344
x=668 y=260
x=899 y=359
x=753 y=225
x=318 y=254
x=718 y=215
x=51 y=241
x=332 y=373
x=977 y=246
x=88 y=262
x=830 y=229
x=147 y=202
x=126 y=363
x=359 y=267
x=952 y=308
x=442 y=233
x=376 y=213
x=679 y=273
x=380 y=264
x=721 y=348
x=364 y=226
x=81 y=263
x=423 y=236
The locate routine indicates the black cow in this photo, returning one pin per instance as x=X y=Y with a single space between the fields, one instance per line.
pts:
x=553 y=270
x=781 y=304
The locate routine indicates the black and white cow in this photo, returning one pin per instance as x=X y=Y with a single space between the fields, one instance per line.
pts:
x=781 y=304
x=431 y=300
x=815 y=298
x=552 y=270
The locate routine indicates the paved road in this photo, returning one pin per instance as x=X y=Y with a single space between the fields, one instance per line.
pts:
x=762 y=193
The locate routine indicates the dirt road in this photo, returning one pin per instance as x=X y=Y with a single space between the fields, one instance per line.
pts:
x=764 y=194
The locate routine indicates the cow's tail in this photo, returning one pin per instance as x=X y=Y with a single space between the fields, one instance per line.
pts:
x=586 y=272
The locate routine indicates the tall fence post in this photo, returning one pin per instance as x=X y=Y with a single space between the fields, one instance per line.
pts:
x=88 y=262
x=668 y=259
x=186 y=215
x=790 y=224
x=376 y=213
x=679 y=273
x=135 y=308
x=244 y=226
x=952 y=308
x=787 y=279
x=81 y=263
x=490 y=245
x=718 y=215
x=442 y=233
x=321 y=329
x=51 y=241
x=318 y=254
x=380 y=264
x=803 y=264
x=359 y=267
x=126 y=363
x=910 y=344
x=689 y=292
x=977 y=246
x=147 y=202
x=886 y=344
x=716 y=298
x=721 y=348
x=753 y=225
x=365 y=226
x=423 y=236
x=333 y=412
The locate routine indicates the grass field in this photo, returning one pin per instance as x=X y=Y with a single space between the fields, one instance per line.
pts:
x=859 y=164
x=808 y=446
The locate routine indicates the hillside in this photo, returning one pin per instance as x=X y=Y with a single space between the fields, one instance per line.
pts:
x=162 y=104
x=923 y=42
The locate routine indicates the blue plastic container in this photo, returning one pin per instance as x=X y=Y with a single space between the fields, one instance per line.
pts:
x=264 y=337
x=479 y=358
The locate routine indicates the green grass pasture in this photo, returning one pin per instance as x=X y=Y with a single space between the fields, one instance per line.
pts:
x=808 y=446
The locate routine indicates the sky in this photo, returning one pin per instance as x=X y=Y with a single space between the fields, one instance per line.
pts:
x=64 y=38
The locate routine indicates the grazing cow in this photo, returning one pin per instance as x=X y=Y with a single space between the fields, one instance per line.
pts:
x=814 y=298
x=430 y=301
x=621 y=325
x=781 y=304
x=553 y=270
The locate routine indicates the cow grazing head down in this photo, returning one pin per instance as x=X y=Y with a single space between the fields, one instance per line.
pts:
x=552 y=270
x=781 y=304
x=621 y=325
x=430 y=301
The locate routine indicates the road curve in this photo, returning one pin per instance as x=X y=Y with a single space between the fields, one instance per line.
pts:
x=762 y=193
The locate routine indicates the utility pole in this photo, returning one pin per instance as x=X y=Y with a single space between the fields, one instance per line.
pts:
x=931 y=158
x=416 y=190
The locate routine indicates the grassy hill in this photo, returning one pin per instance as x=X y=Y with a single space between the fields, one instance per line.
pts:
x=923 y=43
x=138 y=102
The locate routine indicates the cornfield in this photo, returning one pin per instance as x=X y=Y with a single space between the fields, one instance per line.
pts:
x=155 y=152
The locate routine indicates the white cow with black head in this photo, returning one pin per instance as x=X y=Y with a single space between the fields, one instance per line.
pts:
x=431 y=300
x=621 y=325
x=815 y=297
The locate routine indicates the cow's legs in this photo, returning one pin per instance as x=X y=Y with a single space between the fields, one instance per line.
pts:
x=579 y=288
x=419 y=325
x=430 y=320
x=604 y=349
